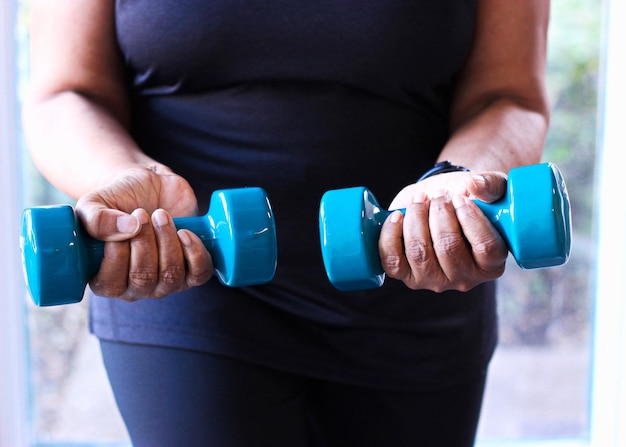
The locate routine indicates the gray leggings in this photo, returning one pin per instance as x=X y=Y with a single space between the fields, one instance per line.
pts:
x=173 y=397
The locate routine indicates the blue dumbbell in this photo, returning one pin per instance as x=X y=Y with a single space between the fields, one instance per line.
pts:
x=533 y=217
x=60 y=258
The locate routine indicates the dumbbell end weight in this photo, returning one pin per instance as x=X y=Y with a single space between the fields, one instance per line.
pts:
x=55 y=255
x=349 y=222
x=534 y=216
x=59 y=257
x=245 y=250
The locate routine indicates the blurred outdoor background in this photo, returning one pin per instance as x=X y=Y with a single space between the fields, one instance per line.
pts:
x=539 y=381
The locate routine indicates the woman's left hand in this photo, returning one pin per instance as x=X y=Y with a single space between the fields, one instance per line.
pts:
x=444 y=241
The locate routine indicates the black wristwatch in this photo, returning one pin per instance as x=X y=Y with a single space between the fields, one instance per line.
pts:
x=441 y=168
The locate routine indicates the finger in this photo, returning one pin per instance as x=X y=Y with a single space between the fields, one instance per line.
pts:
x=106 y=224
x=199 y=262
x=171 y=262
x=487 y=246
x=418 y=246
x=391 y=247
x=488 y=186
x=112 y=278
x=449 y=244
x=143 y=272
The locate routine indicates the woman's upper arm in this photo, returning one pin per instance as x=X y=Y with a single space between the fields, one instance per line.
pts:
x=74 y=49
x=508 y=58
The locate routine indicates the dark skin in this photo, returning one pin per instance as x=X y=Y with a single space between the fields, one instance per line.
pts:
x=77 y=119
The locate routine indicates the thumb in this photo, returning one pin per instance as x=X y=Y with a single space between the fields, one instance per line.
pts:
x=108 y=224
x=488 y=186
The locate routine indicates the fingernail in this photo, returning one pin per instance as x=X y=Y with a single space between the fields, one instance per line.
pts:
x=160 y=218
x=127 y=224
x=395 y=217
x=141 y=215
x=184 y=238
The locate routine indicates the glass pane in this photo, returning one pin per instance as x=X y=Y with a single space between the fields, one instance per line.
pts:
x=539 y=380
x=71 y=398
x=538 y=385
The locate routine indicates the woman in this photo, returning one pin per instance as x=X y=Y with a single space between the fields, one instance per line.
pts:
x=140 y=109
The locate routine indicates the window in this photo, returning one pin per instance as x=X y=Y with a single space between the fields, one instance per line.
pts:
x=609 y=389
x=559 y=375
x=538 y=386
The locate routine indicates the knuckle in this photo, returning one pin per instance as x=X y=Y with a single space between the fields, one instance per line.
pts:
x=417 y=252
x=392 y=265
x=143 y=279
x=448 y=243
x=199 y=278
x=109 y=290
x=488 y=247
x=172 y=275
x=200 y=269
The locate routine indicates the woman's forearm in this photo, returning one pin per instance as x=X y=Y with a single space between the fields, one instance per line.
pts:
x=503 y=135
x=500 y=110
x=77 y=144
x=76 y=117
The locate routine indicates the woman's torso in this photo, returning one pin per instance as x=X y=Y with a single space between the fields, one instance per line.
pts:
x=299 y=98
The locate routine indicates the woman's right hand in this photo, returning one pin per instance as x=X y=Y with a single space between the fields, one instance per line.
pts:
x=144 y=255
x=77 y=118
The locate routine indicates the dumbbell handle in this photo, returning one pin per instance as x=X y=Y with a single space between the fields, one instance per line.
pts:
x=497 y=213
x=493 y=211
x=199 y=225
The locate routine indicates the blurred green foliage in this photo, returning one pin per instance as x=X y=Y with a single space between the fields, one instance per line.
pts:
x=573 y=66
x=554 y=305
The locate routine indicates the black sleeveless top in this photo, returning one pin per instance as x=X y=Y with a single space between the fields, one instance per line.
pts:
x=299 y=97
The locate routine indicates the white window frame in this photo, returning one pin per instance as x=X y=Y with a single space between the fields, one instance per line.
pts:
x=13 y=371
x=608 y=392
x=608 y=387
